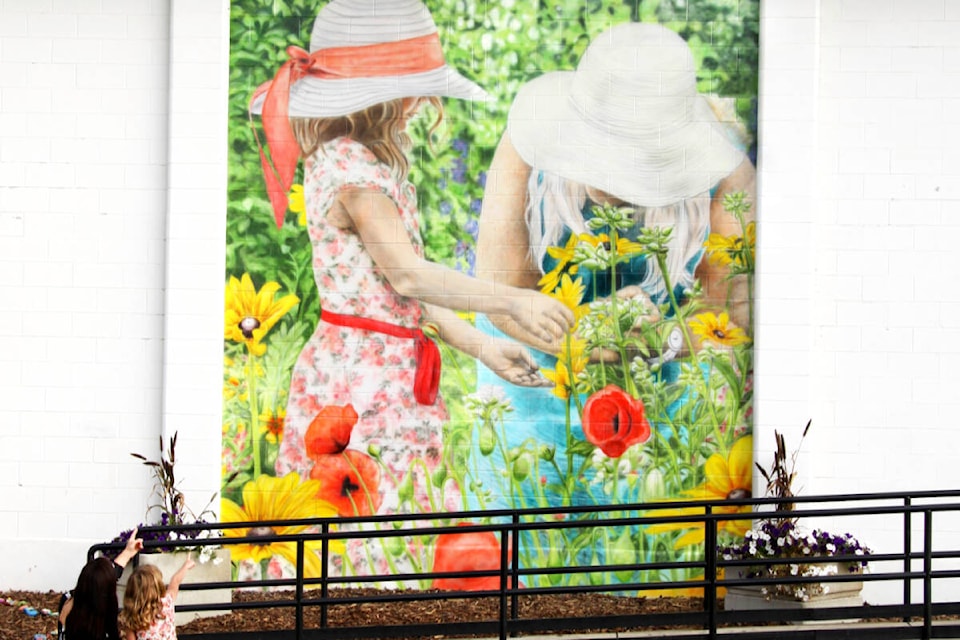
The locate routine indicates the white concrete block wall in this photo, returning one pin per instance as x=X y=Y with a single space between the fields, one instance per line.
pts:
x=111 y=250
x=877 y=379
x=83 y=178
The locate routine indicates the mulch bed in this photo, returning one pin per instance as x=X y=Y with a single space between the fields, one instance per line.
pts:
x=16 y=625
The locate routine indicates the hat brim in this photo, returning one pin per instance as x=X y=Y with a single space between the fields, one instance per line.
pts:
x=313 y=97
x=648 y=166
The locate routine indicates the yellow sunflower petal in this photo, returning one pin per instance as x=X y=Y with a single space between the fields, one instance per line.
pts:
x=691 y=537
x=740 y=464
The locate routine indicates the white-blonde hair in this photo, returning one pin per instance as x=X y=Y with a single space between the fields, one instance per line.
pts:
x=555 y=203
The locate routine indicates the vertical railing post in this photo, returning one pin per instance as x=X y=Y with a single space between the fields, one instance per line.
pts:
x=927 y=573
x=299 y=589
x=907 y=552
x=710 y=571
x=515 y=567
x=504 y=572
x=324 y=572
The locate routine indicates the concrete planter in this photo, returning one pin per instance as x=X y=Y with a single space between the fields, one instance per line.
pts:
x=216 y=569
x=838 y=594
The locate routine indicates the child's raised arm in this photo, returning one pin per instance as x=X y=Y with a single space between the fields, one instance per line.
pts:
x=132 y=548
x=174 y=587
x=376 y=219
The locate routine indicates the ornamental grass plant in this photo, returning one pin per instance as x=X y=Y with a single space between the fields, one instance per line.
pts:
x=167 y=507
x=783 y=548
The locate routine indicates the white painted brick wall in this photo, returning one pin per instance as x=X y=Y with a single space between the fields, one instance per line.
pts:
x=83 y=111
x=111 y=261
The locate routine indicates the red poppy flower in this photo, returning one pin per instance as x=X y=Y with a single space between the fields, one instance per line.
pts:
x=613 y=420
x=350 y=481
x=472 y=551
x=329 y=432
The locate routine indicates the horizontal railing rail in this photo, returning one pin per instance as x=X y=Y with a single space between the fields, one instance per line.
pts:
x=916 y=563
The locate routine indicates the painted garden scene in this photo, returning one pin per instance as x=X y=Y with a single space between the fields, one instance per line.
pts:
x=485 y=256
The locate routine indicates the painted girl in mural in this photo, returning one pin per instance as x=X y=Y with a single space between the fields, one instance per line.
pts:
x=627 y=128
x=363 y=414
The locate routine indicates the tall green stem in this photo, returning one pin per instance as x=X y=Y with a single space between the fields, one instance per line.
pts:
x=618 y=332
x=682 y=321
x=254 y=412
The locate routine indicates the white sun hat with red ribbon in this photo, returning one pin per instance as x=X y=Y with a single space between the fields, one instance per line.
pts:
x=362 y=52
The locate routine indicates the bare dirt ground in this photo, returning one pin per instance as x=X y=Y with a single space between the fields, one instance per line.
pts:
x=15 y=624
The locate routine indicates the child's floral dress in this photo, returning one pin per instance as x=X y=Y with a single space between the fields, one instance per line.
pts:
x=342 y=365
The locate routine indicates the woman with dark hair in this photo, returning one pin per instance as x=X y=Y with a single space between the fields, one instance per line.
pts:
x=89 y=612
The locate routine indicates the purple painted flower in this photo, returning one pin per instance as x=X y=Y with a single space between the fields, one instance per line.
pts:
x=459 y=173
x=472 y=227
x=460 y=146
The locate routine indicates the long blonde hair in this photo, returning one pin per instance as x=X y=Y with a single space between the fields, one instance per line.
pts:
x=554 y=203
x=381 y=128
x=142 y=599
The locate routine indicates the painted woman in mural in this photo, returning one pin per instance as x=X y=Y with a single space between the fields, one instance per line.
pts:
x=363 y=414
x=625 y=195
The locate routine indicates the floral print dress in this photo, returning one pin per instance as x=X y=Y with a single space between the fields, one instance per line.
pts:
x=371 y=371
x=164 y=627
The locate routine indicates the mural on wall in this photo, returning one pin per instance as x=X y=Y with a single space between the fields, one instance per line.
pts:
x=486 y=255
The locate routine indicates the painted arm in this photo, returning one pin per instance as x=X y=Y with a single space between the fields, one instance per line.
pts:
x=508 y=359
x=720 y=292
x=503 y=246
x=375 y=218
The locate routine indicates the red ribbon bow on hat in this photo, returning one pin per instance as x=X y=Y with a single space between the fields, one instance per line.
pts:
x=404 y=57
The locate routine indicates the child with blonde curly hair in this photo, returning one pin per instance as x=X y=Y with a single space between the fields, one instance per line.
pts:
x=148 y=604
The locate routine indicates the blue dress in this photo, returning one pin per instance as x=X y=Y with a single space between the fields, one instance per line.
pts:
x=540 y=418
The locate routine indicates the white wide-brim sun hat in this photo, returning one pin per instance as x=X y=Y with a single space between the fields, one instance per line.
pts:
x=628 y=121
x=360 y=23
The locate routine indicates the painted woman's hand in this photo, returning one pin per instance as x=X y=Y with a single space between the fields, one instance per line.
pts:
x=512 y=362
x=542 y=316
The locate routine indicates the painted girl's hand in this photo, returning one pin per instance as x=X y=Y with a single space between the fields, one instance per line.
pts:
x=189 y=563
x=512 y=362
x=542 y=316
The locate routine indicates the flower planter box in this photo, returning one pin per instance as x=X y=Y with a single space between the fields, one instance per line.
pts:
x=835 y=594
x=216 y=569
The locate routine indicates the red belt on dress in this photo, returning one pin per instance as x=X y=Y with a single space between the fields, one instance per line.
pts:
x=426 y=381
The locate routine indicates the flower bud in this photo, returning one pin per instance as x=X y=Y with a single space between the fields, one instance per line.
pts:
x=394 y=546
x=521 y=466
x=439 y=475
x=623 y=551
x=654 y=487
x=405 y=490
x=547 y=452
x=488 y=439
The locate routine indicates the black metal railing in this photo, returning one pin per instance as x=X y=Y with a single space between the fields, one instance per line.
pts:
x=923 y=558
